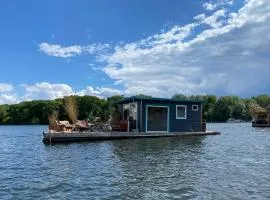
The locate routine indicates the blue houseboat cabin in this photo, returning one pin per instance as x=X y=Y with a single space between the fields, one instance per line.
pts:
x=161 y=115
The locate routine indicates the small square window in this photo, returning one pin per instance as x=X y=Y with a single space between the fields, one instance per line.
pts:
x=181 y=112
x=195 y=107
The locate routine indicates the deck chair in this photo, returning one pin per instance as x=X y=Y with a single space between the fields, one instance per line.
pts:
x=65 y=126
x=82 y=125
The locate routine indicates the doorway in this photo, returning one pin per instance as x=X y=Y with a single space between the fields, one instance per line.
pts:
x=157 y=119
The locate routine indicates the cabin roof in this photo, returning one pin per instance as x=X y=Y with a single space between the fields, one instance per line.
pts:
x=134 y=98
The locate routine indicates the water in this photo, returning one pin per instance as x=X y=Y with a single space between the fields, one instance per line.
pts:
x=234 y=165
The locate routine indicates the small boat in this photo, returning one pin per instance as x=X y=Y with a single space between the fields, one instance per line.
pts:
x=261 y=119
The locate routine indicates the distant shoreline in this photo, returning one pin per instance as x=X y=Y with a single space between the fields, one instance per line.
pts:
x=215 y=109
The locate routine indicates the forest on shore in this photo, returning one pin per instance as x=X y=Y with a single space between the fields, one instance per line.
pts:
x=215 y=109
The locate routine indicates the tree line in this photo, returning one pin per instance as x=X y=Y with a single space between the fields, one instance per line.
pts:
x=39 y=111
x=215 y=109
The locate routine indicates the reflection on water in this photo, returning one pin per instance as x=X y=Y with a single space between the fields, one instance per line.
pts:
x=154 y=168
x=234 y=165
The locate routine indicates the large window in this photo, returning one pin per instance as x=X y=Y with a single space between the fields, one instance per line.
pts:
x=181 y=112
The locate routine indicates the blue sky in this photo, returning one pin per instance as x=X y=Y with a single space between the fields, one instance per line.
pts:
x=50 y=49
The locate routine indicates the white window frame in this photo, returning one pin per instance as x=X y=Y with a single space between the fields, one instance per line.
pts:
x=183 y=106
x=196 y=108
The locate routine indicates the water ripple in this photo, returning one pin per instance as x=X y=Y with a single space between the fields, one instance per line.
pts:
x=234 y=165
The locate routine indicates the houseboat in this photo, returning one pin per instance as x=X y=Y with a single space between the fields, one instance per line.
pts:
x=261 y=118
x=138 y=117
x=162 y=115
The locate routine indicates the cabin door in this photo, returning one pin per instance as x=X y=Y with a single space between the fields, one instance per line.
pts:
x=157 y=119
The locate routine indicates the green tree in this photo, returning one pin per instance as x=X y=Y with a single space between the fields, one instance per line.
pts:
x=209 y=102
x=179 y=97
x=262 y=100
x=228 y=107
x=3 y=113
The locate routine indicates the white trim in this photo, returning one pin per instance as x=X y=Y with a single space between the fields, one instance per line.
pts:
x=146 y=118
x=183 y=106
x=196 y=108
x=137 y=112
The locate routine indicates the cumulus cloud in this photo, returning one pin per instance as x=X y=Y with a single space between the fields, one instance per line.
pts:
x=71 y=51
x=46 y=90
x=101 y=92
x=209 y=6
x=59 y=51
x=214 y=20
x=222 y=59
x=220 y=52
x=49 y=91
x=8 y=98
x=212 y=6
x=200 y=17
x=6 y=95
x=5 y=87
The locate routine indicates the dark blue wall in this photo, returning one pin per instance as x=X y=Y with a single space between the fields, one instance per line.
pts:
x=190 y=124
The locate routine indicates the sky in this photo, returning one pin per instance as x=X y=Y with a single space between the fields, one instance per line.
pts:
x=54 y=48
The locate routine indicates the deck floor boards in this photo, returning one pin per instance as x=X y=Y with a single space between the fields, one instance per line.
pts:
x=91 y=136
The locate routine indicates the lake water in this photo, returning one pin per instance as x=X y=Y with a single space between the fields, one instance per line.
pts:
x=233 y=165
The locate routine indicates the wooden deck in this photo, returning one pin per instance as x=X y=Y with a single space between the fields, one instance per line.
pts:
x=59 y=137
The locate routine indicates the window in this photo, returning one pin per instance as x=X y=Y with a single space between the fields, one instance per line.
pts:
x=181 y=112
x=195 y=107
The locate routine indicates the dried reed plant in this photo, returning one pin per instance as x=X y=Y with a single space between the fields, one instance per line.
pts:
x=53 y=117
x=71 y=108
x=254 y=108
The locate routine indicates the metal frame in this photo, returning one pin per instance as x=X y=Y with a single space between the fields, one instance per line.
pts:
x=168 y=118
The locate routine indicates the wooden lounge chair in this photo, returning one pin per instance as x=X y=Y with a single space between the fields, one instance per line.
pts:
x=82 y=125
x=65 y=126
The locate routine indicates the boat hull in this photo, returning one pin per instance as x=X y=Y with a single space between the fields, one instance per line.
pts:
x=65 y=137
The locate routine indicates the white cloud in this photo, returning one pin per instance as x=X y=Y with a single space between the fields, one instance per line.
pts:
x=200 y=17
x=222 y=59
x=101 y=92
x=212 y=6
x=209 y=6
x=214 y=20
x=8 y=98
x=71 y=51
x=59 y=51
x=96 y=48
x=49 y=91
x=46 y=90
x=219 y=58
x=4 y=87
x=176 y=34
